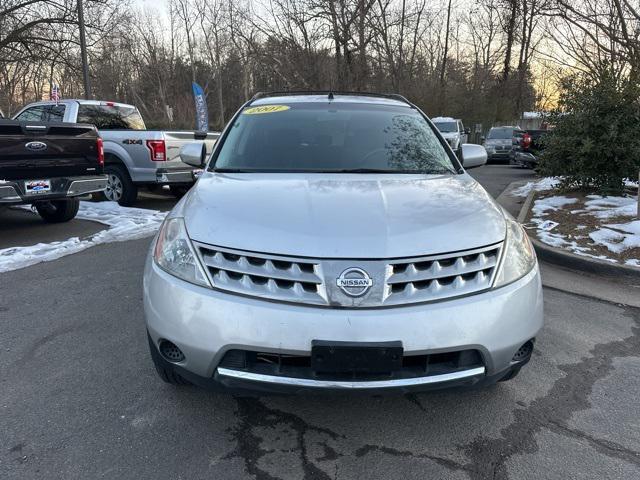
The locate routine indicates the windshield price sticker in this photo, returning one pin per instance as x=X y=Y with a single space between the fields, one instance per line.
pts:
x=265 y=109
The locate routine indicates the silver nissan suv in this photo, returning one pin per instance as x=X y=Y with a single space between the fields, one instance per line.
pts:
x=334 y=242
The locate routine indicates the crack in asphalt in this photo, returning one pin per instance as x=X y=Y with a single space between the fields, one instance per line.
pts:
x=413 y=398
x=253 y=413
x=488 y=456
x=568 y=395
x=31 y=351
x=445 y=462
x=604 y=446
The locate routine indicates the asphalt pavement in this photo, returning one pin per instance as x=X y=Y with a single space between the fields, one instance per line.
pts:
x=79 y=398
x=496 y=177
x=21 y=227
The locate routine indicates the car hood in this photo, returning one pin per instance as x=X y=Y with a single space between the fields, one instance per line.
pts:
x=342 y=215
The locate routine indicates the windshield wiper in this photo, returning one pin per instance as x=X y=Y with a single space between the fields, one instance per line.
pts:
x=339 y=170
x=383 y=170
x=364 y=170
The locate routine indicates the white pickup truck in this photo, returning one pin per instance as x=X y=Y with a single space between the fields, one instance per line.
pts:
x=134 y=156
x=453 y=132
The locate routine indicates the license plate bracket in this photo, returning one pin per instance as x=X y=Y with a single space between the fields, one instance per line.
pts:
x=355 y=357
x=36 y=187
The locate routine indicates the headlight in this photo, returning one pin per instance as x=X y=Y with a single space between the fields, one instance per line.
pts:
x=518 y=257
x=175 y=254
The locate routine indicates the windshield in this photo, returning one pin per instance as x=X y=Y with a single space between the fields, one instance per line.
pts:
x=446 y=127
x=110 y=117
x=500 y=133
x=332 y=137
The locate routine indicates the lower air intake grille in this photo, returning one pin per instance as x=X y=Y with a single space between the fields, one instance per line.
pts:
x=299 y=366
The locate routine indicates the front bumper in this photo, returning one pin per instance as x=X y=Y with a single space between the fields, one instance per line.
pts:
x=206 y=323
x=170 y=176
x=499 y=154
x=62 y=187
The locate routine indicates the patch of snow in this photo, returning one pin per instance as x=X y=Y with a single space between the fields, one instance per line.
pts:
x=633 y=262
x=610 y=207
x=632 y=227
x=124 y=224
x=547 y=183
x=553 y=239
x=560 y=241
x=618 y=237
x=597 y=257
x=543 y=205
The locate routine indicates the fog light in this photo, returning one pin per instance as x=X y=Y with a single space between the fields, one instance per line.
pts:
x=524 y=352
x=171 y=352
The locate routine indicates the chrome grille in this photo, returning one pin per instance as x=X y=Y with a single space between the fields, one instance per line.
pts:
x=266 y=276
x=313 y=281
x=441 y=276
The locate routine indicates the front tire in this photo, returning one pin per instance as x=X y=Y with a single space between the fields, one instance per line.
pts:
x=511 y=374
x=58 y=211
x=120 y=188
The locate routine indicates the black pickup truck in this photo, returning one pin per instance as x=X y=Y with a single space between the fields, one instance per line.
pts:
x=49 y=165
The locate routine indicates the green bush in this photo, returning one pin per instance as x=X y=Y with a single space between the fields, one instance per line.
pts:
x=595 y=144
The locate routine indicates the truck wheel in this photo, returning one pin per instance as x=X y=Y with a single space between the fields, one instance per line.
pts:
x=164 y=370
x=58 y=211
x=120 y=188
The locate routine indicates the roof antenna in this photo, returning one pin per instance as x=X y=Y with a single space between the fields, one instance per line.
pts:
x=330 y=96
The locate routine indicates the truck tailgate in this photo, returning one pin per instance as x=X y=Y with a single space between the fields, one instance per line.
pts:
x=30 y=150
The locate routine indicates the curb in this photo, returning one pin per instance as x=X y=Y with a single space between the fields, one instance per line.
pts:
x=563 y=258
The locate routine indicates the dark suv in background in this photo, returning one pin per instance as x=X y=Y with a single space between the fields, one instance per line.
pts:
x=500 y=142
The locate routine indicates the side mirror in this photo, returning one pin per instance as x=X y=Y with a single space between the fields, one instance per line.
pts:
x=467 y=131
x=193 y=154
x=473 y=155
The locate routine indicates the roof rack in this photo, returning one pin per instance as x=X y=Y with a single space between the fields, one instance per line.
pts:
x=392 y=96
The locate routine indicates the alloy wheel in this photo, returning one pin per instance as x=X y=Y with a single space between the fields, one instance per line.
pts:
x=114 y=188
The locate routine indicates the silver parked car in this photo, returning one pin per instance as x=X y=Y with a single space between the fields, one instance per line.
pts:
x=501 y=142
x=334 y=242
